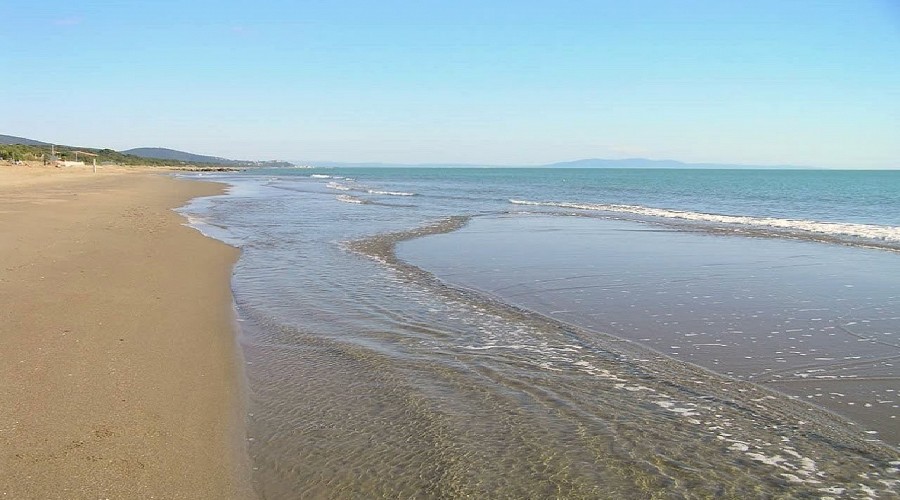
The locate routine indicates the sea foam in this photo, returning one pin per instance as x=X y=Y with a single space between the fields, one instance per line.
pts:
x=867 y=231
x=337 y=186
x=349 y=199
x=390 y=193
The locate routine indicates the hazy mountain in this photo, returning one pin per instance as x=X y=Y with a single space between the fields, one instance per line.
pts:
x=10 y=139
x=626 y=163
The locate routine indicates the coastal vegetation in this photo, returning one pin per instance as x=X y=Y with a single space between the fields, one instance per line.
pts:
x=22 y=152
x=35 y=151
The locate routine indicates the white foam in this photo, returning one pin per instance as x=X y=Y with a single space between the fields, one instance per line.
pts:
x=869 y=231
x=349 y=199
x=391 y=193
x=210 y=230
x=493 y=346
x=338 y=186
x=320 y=176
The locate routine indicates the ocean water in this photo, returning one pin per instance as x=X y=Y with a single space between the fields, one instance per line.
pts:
x=540 y=333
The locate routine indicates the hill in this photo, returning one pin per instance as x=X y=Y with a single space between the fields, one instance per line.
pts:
x=175 y=155
x=185 y=157
x=21 y=148
x=38 y=152
x=11 y=139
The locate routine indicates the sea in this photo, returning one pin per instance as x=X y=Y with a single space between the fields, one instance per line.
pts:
x=566 y=333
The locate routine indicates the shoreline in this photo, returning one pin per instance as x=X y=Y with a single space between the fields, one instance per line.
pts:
x=122 y=373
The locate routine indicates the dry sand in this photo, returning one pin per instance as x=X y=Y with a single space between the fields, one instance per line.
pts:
x=119 y=370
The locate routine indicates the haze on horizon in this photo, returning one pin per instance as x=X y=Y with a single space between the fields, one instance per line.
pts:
x=492 y=82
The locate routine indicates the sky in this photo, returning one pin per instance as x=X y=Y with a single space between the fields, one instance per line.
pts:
x=767 y=82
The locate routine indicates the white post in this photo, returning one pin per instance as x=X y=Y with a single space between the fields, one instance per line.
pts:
x=95 y=165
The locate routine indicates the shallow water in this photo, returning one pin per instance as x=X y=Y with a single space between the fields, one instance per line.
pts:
x=371 y=377
x=815 y=321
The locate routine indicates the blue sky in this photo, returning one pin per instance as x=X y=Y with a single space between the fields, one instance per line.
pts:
x=514 y=82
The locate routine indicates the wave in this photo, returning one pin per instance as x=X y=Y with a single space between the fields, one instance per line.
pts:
x=333 y=184
x=349 y=199
x=841 y=229
x=338 y=186
x=390 y=193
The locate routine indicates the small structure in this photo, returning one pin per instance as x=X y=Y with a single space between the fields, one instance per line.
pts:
x=67 y=163
x=77 y=162
x=84 y=153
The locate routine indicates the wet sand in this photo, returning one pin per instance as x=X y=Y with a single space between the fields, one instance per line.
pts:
x=119 y=373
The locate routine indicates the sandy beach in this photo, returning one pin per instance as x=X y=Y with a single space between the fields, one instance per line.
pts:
x=119 y=371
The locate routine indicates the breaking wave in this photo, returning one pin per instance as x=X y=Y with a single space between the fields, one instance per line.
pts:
x=889 y=234
x=390 y=193
x=338 y=186
x=349 y=199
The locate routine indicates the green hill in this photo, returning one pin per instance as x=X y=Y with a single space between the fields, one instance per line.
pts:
x=180 y=156
x=20 y=148
x=191 y=158
x=11 y=139
x=25 y=152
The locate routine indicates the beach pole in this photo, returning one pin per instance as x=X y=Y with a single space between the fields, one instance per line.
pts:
x=95 y=165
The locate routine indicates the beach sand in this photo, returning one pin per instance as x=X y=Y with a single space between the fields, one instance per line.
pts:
x=119 y=371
